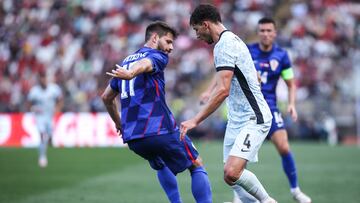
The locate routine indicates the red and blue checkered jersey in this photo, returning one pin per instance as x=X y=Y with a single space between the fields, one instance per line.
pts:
x=144 y=111
x=269 y=65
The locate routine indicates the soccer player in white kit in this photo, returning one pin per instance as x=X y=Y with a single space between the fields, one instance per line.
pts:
x=45 y=99
x=249 y=117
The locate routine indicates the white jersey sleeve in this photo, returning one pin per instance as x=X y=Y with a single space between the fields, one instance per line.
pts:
x=225 y=54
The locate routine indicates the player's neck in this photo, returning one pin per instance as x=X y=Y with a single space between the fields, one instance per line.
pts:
x=217 y=30
x=150 y=45
x=265 y=48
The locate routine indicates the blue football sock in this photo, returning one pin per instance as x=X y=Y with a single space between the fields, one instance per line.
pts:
x=289 y=167
x=200 y=185
x=169 y=183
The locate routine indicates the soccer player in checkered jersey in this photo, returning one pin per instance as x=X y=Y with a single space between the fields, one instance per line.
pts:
x=249 y=116
x=146 y=123
x=272 y=62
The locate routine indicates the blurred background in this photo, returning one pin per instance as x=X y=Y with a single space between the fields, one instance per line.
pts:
x=76 y=42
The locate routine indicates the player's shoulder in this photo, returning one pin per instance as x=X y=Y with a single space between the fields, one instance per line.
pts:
x=229 y=37
x=253 y=46
x=54 y=85
x=34 y=89
x=54 y=88
x=157 y=54
x=228 y=41
x=149 y=50
x=280 y=50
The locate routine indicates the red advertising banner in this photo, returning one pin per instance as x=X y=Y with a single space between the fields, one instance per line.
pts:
x=70 y=130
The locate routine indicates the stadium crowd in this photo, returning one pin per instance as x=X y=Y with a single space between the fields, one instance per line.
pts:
x=76 y=42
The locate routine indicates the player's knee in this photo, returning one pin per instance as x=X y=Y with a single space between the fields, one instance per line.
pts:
x=231 y=175
x=284 y=148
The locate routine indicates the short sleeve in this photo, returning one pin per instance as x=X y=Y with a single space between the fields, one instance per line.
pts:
x=31 y=95
x=287 y=72
x=225 y=55
x=159 y=61
x=286 y=61
x=58 y=92
x=114 y=84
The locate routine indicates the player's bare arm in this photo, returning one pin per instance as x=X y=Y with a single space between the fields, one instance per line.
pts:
x=142 y=66
x=111 y=106
x=292 y=98
x=221 y=91
x=59 y=104
x=258 y=77
x=204 y=97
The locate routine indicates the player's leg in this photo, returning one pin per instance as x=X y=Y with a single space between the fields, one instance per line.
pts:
x=236 y=174
x=280 y=140
x=200 y=184
x=41 y=126
x=148 y=148
x=169 y=184
x=246 y=146
x=240 y=195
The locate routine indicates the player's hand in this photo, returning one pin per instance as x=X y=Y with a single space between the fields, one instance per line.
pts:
x=118 y=130
x=121 y=73
x=292 y=112
x=204 y=97
x=185 y=126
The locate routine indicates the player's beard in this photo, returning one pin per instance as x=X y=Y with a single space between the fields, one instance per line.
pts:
x=208 y=39
x=161 y=48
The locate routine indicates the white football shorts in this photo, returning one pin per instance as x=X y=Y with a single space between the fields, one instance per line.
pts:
x=44 y=124
x=246 y=140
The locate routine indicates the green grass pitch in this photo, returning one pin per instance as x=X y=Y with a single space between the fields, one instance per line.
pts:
x=92 y=175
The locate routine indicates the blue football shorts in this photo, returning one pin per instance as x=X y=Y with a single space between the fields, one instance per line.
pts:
x=277 y=122
x=166 y=150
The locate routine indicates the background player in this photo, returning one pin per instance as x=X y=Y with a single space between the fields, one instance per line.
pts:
x=45 y=99
x=146 y=122
x=249 y=116
x=272 y=62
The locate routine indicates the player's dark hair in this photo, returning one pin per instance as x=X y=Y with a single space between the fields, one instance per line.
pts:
x=161 y=28
x=266 y=20
x=205 y=12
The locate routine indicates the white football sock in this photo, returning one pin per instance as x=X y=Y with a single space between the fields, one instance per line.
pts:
x=252 y=185
x=295 y=190
x=241 y=196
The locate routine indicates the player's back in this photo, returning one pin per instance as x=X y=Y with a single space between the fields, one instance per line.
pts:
x=245 y=100
x=144 y=111
x=270 y=66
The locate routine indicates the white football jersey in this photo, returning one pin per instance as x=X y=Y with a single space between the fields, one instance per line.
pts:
x=245 y=102
x=44 y=100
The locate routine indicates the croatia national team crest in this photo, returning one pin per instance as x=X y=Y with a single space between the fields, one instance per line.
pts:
x=274 y=64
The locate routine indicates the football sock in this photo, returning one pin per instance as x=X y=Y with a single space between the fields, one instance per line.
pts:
x=289 y=167
x=200 y=185
x=169 y=183
x=43 y=145
x=252 y=185
x=245 y=197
